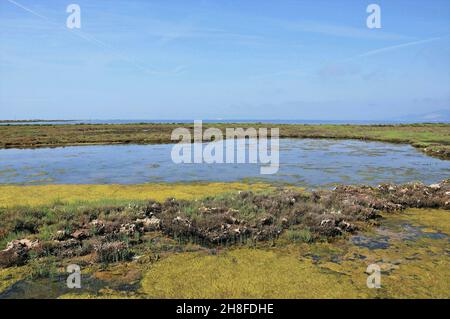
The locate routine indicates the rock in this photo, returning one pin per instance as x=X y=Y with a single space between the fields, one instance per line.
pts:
x=346 y=226
x=435 y=186
x=231 y=220
x=325 y=222
x=128 y=229
x=65 y=248
x=61 y=235
x=225 y=226
x=150 y=224
x=97 y=223
x=68 y=244
x=23 y=242
x=267 y=220
x=204 y=210
x=447 y=193
x=13 y=257
x=98 y=226
x=181 y=220
x=80 y=234
x=152 y=209
x=16 y=252
x=291 y=200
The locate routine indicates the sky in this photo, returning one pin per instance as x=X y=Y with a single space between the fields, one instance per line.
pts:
x=227 y=59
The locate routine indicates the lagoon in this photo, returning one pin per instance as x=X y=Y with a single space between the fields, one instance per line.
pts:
x=304 y=162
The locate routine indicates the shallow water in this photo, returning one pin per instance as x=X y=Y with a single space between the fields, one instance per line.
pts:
x=305 y=162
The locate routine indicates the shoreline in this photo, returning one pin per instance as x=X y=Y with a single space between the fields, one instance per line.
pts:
x=34 y=121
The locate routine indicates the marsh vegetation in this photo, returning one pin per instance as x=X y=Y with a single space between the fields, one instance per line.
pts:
x=433 y=139
x=42 y=239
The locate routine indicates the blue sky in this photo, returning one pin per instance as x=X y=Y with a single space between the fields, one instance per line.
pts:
x=224 y=59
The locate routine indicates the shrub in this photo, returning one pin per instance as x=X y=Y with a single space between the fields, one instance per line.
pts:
x=302 y=235
x=111 y=252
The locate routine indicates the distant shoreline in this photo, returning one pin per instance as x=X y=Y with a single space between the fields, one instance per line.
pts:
x=34 y=121
x=219 y=121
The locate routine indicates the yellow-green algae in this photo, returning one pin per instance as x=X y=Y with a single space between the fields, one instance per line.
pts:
x=10 y=276
x=433 y=219
x=244 y=273
x=416 y=268
x=41 y=195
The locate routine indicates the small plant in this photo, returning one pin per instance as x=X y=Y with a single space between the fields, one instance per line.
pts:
x=43 y=268
x=302 y=235
x=112 y=252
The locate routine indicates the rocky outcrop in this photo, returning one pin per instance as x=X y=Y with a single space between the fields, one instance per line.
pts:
x=149 y=224
x=16 y=252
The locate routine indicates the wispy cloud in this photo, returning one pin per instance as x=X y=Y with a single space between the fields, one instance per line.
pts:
x=292 y=72
x=100 y=44
x=173 y=32
x=340 y=31
x=338 y=70
x=342 y=67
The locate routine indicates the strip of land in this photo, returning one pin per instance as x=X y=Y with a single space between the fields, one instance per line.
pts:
x=433 y=139
x=33 y=121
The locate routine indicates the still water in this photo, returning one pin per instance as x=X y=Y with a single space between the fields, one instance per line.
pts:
x=305 y=162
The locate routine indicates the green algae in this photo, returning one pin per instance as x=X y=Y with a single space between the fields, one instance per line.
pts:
x=243 y=273
x=415 y=268
x=413 y=265
x=432 y=219
x=11 y=276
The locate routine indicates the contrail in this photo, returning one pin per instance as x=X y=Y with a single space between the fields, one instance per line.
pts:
x=398 y=46
x=28 y=10
x=97 y=42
